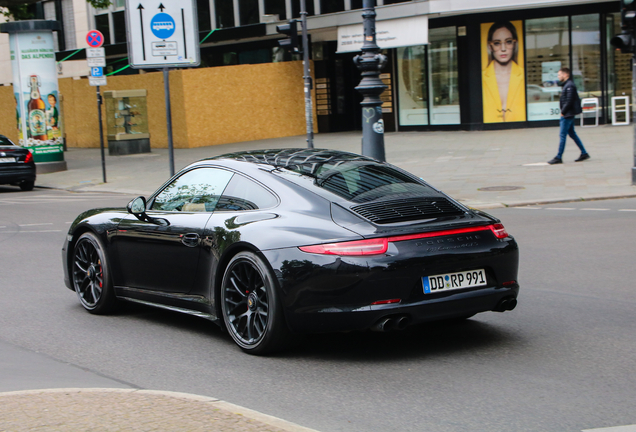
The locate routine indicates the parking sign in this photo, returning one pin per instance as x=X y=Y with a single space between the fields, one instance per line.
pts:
x=162 y=36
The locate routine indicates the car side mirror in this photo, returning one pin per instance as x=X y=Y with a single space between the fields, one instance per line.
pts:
x=137 y=206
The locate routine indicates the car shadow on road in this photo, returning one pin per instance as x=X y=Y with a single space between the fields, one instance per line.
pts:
x=424 y=340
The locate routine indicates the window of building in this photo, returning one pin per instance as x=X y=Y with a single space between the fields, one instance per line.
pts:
x=412 y=88
x=248 y=11
x=119 y=27
x=547 y=51
x=428 y=88
x=586 y=55
x=388 y=2
x=443 y=78
x=276 y=7
x=102 y=25
x=309 y=4
x=331 y=6
x=619 y=72
x=224 y=11
x=356 y=4
x=203 y=14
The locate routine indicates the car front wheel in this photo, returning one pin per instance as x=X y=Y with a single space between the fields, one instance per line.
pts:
x=91 y=275
x=250 y=306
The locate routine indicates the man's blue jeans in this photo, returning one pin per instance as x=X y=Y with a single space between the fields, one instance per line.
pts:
x=567 y=128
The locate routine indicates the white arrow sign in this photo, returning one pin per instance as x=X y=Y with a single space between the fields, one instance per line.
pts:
x=162 y=36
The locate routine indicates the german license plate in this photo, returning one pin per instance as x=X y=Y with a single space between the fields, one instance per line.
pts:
x=453 y=281
x=7 y=159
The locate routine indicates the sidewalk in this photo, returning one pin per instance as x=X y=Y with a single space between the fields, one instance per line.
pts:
x=511 y=163
x=462 y=164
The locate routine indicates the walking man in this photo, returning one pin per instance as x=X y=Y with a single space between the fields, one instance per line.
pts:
x=570 y=106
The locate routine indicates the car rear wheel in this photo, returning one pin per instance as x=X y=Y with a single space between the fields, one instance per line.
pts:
x=91 y=275
x=27 y=185
x=250 y=306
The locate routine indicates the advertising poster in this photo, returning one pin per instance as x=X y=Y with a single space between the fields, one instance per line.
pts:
x=36 y=94
x=503 y=77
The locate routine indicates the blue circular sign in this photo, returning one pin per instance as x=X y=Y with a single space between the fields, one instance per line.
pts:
x=162 y=25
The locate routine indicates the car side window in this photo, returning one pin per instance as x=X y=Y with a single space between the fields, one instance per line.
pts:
x=197 y=190
x=244 y=194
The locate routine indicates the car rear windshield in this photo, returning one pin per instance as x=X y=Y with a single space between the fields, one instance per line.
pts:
x=4 y=141
x=363 y=180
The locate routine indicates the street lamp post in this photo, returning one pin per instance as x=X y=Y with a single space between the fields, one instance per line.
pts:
x=370 y=63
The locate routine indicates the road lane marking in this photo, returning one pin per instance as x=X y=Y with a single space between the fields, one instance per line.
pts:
x=41 y=231
x=594 y=209
x=633 y=210
x=628 y=428
x=35 y=224
x=560 y=208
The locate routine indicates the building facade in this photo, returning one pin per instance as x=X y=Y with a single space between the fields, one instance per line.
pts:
x=472 y=64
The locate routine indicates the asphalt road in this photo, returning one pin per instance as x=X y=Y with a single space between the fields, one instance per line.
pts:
x=562 y=361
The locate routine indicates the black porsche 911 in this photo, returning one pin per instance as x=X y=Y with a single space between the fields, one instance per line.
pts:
x=16 y=165
x=273 y=243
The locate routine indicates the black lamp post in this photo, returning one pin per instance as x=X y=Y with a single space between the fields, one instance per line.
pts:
x=370 y=63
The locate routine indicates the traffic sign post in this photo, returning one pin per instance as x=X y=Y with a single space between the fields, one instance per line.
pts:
x=158 y=38
x=96 y=59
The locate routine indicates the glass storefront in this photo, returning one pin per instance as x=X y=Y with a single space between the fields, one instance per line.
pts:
x=619 y=71
x=547 y=51
x=429 y=97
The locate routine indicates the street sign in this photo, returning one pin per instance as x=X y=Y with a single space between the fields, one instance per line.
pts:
x=94 y=39
x=97 y=77
x=162 y=36
x=95 y=52
x=97 y=81
x=96 y=61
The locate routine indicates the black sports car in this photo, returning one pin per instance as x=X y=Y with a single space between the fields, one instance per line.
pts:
x=16 y=165
x=279 y=242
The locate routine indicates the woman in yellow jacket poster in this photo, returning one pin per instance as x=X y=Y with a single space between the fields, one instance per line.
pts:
x=503 y=77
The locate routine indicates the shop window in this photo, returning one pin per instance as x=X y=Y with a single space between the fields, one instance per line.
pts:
x=203 y=14
x=619 y=71
x=586 y=55
x=443 y=79
x=276 y=7
x=224 y=11
x=331 y=6
x=356 y=4
x=547 y=51
x=388 y=2
x=248 y=11
x=119 y=27
x=412 y=88
x=101 y=24
x=263 y=55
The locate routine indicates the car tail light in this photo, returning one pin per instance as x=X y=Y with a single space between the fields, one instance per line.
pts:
x=381 y=302
x=499 y=231
x=29 y=157
x=380 y=245
x=352 y=248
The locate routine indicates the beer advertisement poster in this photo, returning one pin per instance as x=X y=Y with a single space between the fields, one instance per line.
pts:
x=36 y=95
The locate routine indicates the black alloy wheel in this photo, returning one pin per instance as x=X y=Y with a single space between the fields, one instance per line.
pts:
x=250 y=306
x=91 y=275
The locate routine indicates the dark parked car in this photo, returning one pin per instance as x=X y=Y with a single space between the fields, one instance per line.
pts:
x=16 y=165
x=279 y=242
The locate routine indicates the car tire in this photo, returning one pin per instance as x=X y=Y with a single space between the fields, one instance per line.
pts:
x=27 y=185
x=251 y=307
x=91 y=275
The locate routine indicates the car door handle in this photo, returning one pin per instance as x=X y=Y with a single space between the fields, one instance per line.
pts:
x=190 y=239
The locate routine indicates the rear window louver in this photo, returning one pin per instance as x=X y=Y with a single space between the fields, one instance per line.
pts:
x=405 y=210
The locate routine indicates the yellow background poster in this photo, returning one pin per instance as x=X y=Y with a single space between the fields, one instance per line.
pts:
x=503 y=75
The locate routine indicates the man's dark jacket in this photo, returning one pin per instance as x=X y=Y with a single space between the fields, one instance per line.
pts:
x=570 y=103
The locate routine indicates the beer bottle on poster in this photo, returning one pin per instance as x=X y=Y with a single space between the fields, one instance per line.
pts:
x=37 y=109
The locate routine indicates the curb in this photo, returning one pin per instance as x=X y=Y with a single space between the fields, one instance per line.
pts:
x=229 y=408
